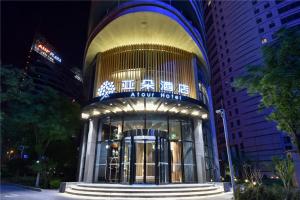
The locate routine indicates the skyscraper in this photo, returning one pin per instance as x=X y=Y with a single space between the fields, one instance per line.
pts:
x=236 y=31
x=48 y=69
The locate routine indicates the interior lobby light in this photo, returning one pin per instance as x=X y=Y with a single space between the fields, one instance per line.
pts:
x=96 y=112
x=195 y=113
x=139 y=106
x=117 y=109
x=84 y=115
x=127 y=108
x=151 y=106
x=107 y=111
x=162 y=108
x=175 y=110
x=204 y=116
x=183 y=111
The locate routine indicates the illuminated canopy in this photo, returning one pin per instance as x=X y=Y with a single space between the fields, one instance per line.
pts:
x=141 y=28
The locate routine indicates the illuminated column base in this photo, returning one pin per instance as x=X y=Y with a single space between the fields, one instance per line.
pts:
x=90 y=151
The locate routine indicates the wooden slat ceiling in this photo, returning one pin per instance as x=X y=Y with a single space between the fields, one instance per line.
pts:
x=142 y=28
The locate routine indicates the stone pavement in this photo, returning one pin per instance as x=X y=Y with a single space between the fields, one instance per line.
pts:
x=12 y=192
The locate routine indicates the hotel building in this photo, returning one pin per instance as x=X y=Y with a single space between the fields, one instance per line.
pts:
x=150 y=118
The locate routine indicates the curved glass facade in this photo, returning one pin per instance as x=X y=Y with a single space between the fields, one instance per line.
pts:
x=148 y=118
x=152 y=149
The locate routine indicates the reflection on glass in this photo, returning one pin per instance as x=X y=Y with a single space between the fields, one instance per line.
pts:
x=176 y=162
x=139 y=161
x=163 y=165
x=101 y=160
x=150 y=161
x=126 y=160
x=175 y=132
x=189 y=163
x=187 y=130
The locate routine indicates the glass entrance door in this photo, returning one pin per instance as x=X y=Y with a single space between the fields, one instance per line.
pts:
x=144 y=159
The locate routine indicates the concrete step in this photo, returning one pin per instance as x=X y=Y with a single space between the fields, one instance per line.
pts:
x=142 y=189
x=118 y=191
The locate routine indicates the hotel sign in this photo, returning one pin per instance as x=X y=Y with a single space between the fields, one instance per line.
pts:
x=147 y=84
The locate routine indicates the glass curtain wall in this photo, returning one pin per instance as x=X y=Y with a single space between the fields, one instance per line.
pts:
x=145 y=149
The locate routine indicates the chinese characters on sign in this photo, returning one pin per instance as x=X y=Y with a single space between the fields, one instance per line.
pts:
x=146 y=85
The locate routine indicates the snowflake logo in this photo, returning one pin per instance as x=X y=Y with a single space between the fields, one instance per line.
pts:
x=105 y=89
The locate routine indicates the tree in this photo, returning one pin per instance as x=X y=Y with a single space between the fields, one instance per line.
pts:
x=285 y=170
x=278 y=82
x=36 y=118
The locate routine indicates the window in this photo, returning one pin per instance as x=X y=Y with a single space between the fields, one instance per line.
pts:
x=223 y=25
x=271 y=25
x=264 y=40
x=238 y=122
x=240 y=134
x=242 y=145
x=230 y=113
x=269 y=15
x=224 y=33
x=266 y=5
x=233 y=136
x=222 y=16
x=227 y=92
x=289 y=7
x=231 y=79
x=221 y=10
x=226 y=43
x=228 y=103
x=227 y=50
x=261 y=30
x=256 y=11
x=224 y=73
x=254 y=2
x=236 y=111
x=230 y=69
x=287 y=140
x=234 y=99
x=231 y=124
x=232 y=89
x=279 y=1
x=258 y=20
x=228 y=60
x=290 y=18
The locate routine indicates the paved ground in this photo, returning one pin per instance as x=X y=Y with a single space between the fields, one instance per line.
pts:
x=11 y=192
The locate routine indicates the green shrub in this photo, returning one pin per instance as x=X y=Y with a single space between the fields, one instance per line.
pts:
x=54 y=183
x=257 y=193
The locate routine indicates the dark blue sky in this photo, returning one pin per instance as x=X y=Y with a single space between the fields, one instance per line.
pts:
x=63 y=24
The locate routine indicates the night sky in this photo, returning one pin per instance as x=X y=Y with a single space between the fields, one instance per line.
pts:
x=63 y=24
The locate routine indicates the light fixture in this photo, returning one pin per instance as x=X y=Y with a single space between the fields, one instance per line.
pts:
x=117 y=109
x=151 y=106
x=183 y=111
x=175 y=110
x=195 y=113
x=107 y=111
x=85 y=115
x=162 y=108
x=204 y=116
x=139 y=106
x=96 y=112
x=127 y=108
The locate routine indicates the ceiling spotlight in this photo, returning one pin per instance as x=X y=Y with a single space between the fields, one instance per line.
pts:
x=96 y=112
x=85 y=115
x=204 y=116
x=195 y=113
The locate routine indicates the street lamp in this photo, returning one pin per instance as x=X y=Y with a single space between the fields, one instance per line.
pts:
x=223 y=115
